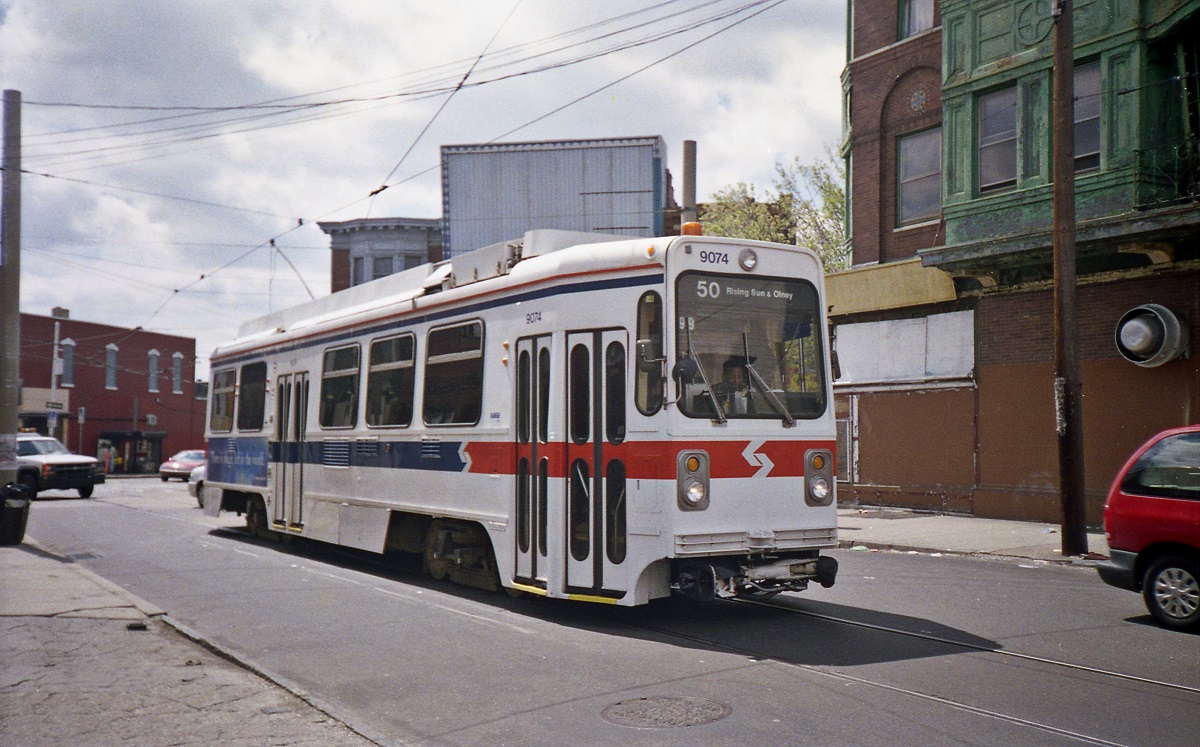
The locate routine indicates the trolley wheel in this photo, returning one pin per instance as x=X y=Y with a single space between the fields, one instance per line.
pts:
x=437 y=567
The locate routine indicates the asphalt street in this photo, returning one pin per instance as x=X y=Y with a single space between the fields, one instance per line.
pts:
x=910 y=647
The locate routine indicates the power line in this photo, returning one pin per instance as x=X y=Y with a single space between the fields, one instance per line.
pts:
x=155 y=194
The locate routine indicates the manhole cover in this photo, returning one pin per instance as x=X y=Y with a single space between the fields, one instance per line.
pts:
x=664 y=712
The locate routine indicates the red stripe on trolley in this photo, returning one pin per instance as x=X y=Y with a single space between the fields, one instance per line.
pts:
x=651 y=460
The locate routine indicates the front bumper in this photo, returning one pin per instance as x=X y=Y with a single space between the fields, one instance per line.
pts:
x=70 y=480
x=1118 y=570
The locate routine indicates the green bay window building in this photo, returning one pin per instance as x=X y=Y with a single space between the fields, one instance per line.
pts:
x=957 y=280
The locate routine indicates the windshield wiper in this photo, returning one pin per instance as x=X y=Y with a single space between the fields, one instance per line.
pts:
x=757 y=380
x=712 y=397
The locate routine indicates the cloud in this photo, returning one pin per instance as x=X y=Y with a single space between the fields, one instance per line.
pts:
x=765 y=90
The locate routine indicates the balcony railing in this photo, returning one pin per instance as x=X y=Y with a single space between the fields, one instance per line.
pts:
x=1167 y=175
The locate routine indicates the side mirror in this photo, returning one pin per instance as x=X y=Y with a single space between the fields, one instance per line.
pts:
x=649 y=357
x=685 y=371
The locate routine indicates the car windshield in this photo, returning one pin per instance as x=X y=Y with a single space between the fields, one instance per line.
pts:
x=1169 y=469
x=34 y=446
x=188 y=456
x=748 y=347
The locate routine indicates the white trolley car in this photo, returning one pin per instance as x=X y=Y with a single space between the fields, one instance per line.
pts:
x=570 y=415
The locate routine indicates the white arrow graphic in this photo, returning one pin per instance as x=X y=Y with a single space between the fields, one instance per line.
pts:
x=762 y=461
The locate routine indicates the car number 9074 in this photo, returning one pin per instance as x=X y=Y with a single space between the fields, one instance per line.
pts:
x=714 y=258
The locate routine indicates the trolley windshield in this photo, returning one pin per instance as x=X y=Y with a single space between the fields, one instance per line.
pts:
x=748 y=347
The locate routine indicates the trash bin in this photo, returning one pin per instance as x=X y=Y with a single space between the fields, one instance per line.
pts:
x=14 y=513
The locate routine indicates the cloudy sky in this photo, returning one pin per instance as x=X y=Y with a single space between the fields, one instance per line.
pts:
x=166 y=143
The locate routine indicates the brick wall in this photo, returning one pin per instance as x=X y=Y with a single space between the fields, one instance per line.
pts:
x=180 y=416
x=892 y=92
x=1019 y=327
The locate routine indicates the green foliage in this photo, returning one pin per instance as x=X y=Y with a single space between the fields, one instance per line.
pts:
x=806 y=207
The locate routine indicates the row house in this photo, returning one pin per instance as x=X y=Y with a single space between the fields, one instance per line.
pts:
x=127 y=396
x=944 y=328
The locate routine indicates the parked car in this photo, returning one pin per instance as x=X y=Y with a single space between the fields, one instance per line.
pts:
x=43 y=463
x=196 y=483
x=1152 y=521
x=181 y=465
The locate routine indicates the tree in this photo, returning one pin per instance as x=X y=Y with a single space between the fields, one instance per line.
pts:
x=806 y=207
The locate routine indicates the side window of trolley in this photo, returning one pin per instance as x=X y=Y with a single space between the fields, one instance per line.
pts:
x=339 y=388
x=649 y=384
x=223 y=387
x=252 y=397
x=390 y=381
x=454 y=375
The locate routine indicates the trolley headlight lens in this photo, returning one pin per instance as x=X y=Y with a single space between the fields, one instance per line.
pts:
x=820 y=488
x=748 y=259
x=693 y=492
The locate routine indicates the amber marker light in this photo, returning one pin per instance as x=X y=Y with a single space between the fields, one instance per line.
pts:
x=693 y=463
x=691 y=228
x=818 y=462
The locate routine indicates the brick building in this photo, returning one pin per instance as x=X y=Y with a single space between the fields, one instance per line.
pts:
x=128 y=389
x=945 y=325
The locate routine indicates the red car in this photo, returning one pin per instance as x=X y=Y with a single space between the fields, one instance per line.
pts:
x=1152 y=521
x=182 y=464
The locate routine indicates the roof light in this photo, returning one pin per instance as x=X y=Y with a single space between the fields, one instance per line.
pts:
x=692 y=228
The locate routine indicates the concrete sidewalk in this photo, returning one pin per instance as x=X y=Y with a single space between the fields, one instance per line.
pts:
x=85 y=662
x=900 y=529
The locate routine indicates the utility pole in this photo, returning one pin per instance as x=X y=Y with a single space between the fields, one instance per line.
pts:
x=10 y=287
x=1068 y=395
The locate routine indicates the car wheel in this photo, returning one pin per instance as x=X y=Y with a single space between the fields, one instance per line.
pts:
x=31 y=484
x=1171 y=588
x=86 y=492
x=164 y=478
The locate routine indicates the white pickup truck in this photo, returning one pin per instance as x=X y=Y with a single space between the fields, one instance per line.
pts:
x=43 y=463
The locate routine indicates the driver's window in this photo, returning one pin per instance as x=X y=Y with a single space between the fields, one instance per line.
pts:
x=648 y=393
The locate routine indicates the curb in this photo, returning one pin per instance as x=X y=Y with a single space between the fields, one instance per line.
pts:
x=1086 y=561
x=146 y=608
x=366 y=732
x=154 y=611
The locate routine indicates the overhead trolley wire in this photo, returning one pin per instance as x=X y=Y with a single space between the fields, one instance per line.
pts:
x=308 y=110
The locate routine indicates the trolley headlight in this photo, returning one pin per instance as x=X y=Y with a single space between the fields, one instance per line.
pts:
x=691 y=480
x=748 y=259
x=818 y=477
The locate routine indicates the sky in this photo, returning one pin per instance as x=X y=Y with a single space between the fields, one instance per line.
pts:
x=178 y=153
